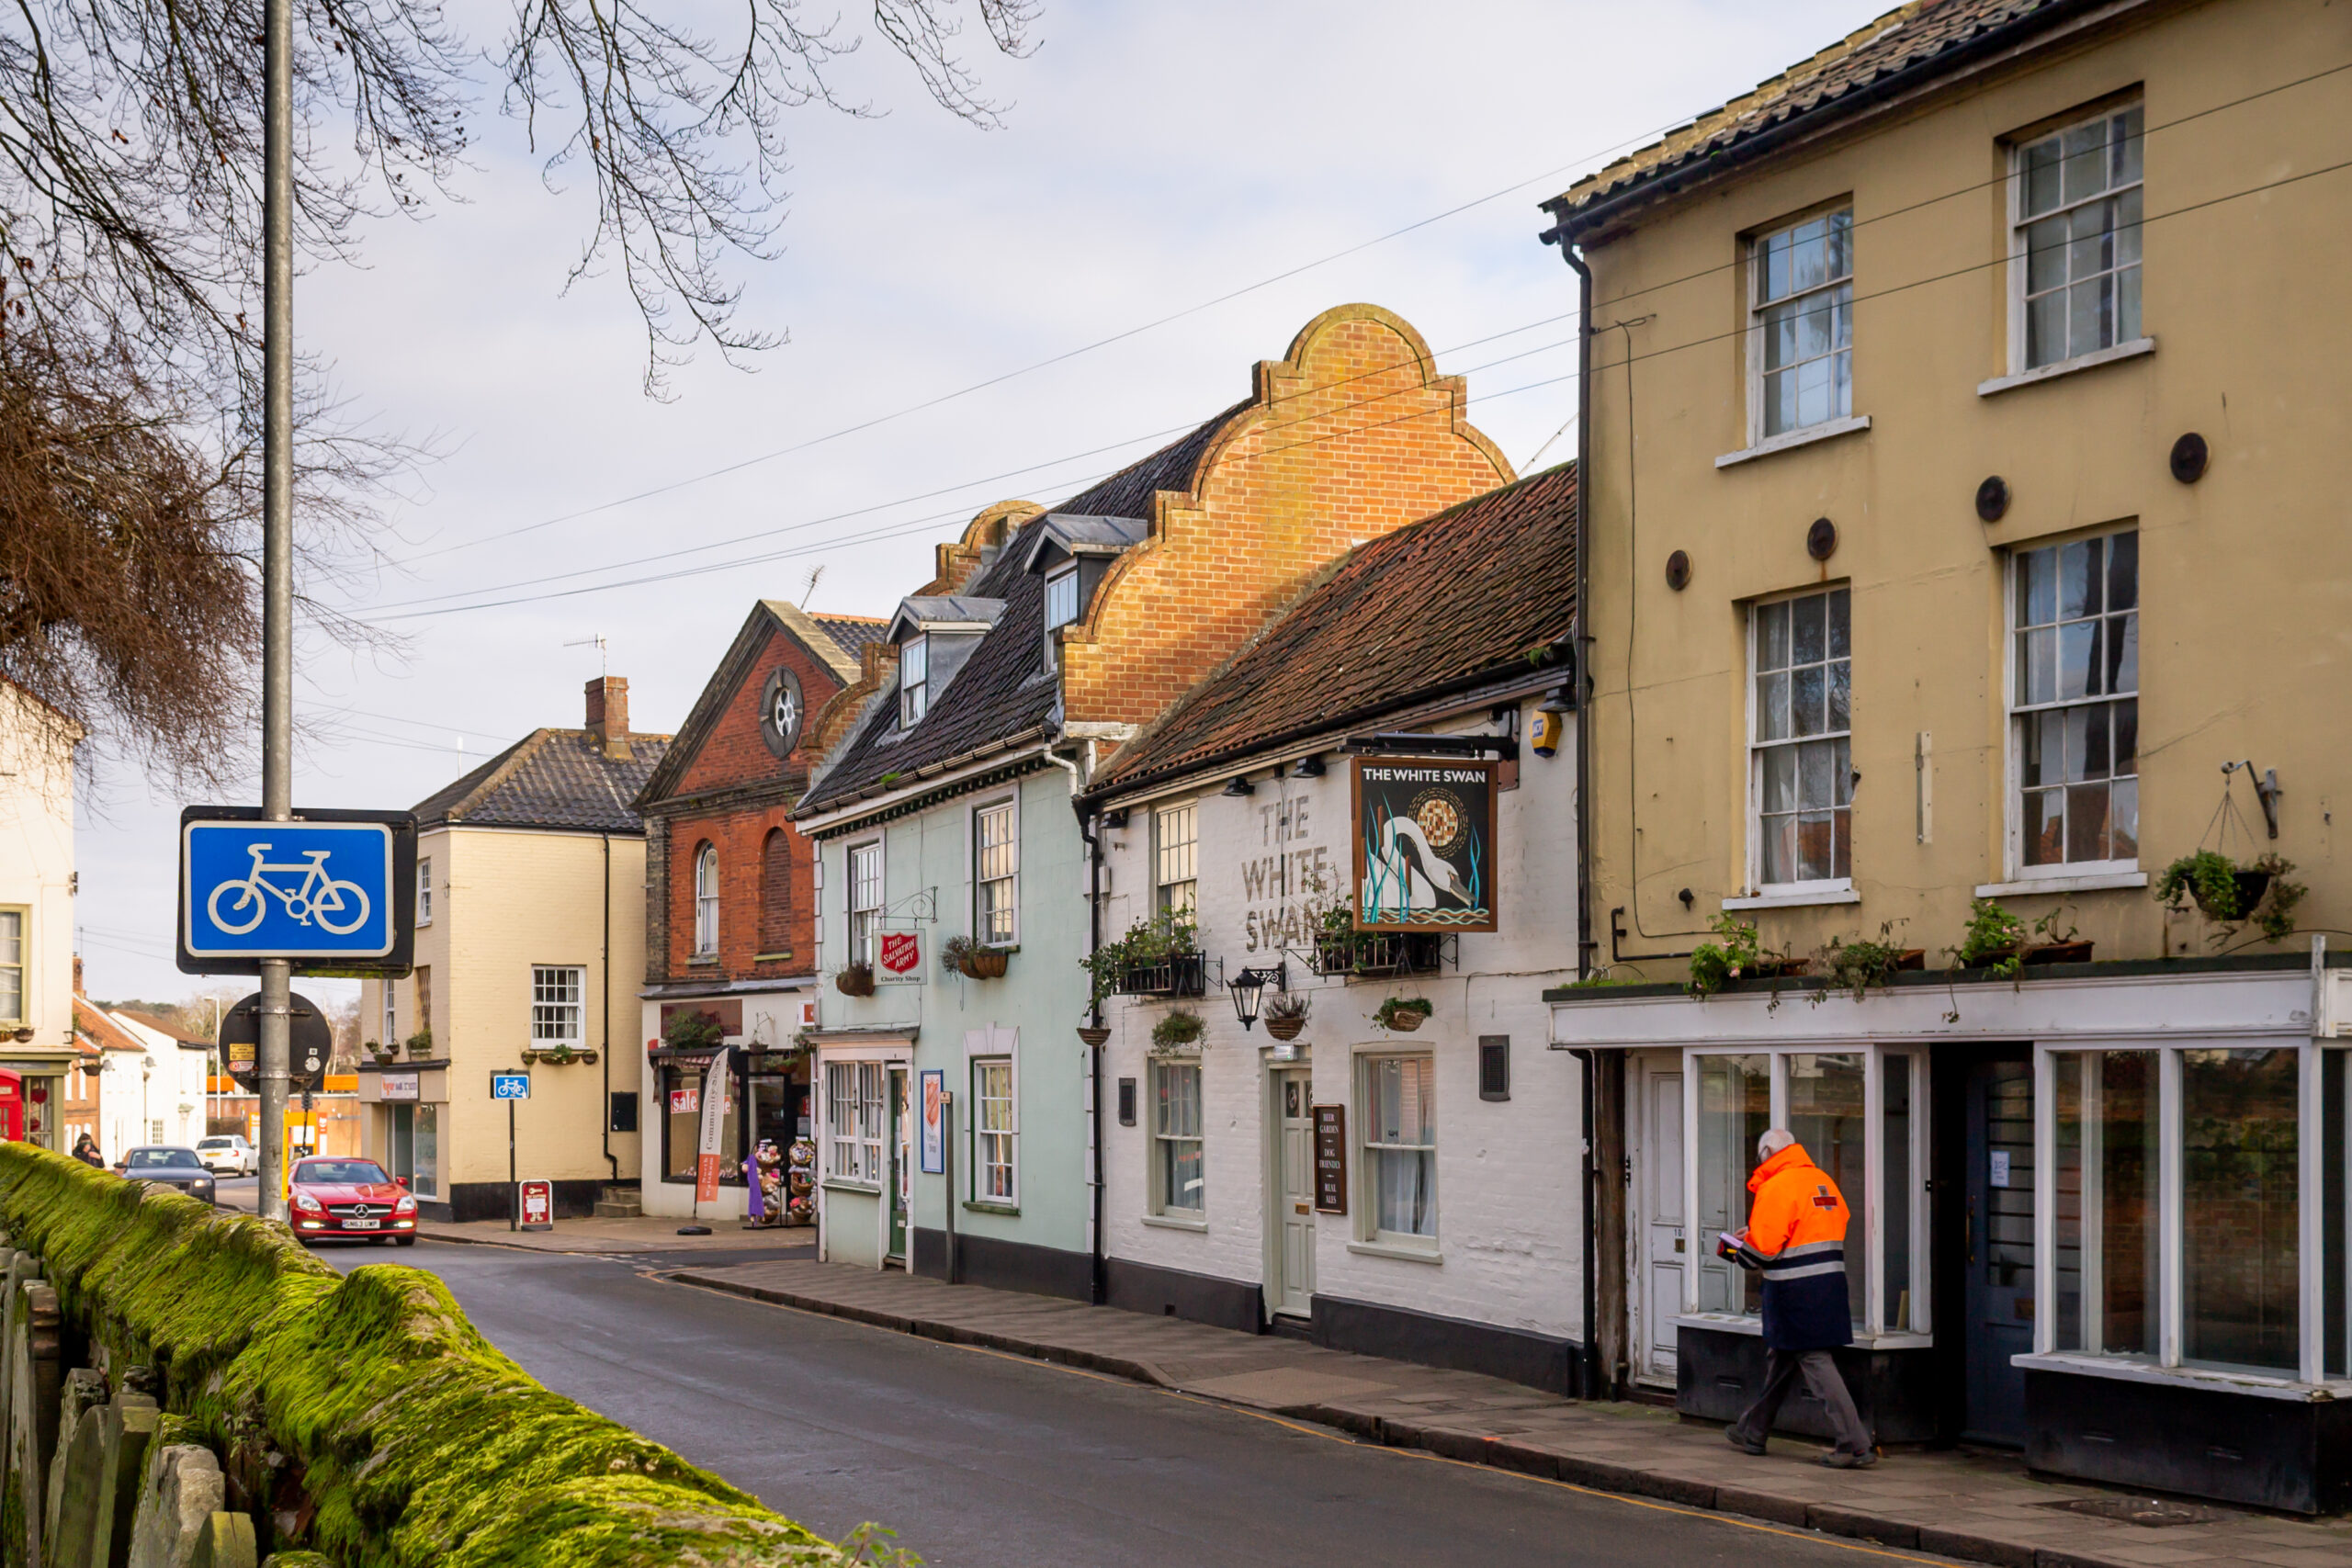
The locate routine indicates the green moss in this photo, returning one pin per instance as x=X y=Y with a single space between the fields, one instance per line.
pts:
x=416 y=1442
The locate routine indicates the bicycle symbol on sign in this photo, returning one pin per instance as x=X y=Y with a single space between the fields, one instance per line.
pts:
x=319 y=898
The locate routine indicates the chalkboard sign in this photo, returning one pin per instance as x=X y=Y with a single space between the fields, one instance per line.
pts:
x=1332 y=1159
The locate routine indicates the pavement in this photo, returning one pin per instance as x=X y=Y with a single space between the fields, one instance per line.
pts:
x=1973 y=1506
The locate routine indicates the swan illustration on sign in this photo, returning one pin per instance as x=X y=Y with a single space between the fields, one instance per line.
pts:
x=1425 y=836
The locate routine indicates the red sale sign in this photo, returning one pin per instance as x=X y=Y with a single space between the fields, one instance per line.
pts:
x=901 y=951
x=538 y=1205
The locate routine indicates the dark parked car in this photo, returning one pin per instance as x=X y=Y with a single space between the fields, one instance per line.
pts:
x=171 y=1165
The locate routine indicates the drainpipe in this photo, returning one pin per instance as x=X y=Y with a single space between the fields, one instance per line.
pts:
x=605 y=1056
x=1100 y=1285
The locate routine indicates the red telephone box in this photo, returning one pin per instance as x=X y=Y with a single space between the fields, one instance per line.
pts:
x=12 y=1106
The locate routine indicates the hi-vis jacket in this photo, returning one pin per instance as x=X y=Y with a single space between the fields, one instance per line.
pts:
x=1797 y=1235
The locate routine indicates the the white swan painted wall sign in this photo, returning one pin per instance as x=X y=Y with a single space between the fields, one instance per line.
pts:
x=1424 y=844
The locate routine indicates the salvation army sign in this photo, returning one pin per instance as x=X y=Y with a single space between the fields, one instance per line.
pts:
x=1424 y=844
x=899 y=958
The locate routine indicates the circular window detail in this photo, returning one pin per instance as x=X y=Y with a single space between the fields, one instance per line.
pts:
x=1993 y=499
x=781 y=711
x=1678 y=571
x=1820 y=540
x=2189 y=458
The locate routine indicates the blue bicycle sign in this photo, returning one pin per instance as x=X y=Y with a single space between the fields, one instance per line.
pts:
x=310 y=889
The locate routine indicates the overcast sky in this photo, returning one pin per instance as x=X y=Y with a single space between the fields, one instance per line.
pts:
x=1154 y=157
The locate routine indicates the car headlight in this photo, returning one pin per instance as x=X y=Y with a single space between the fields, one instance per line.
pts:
x=405 y=1206
x=306 y=1204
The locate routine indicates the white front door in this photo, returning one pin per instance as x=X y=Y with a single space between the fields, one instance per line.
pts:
x=1661 y=1238
x=1293 y=1195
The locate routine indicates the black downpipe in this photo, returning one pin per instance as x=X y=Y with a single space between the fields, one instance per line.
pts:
x=605 y=1056
x=1090 y=833
x=1592 y=1379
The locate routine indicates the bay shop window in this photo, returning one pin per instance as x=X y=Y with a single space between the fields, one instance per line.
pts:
x=1862 y=1115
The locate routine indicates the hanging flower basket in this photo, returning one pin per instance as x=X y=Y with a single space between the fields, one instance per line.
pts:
x=985 y=964
x=855 y=980
x=1094 y=1034
x=1285 y=1028
x=1403 y=1014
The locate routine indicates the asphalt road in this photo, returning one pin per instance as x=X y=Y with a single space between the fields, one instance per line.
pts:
x=979 y=1460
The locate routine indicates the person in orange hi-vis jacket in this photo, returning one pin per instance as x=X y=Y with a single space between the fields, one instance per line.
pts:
x=1797 y=1236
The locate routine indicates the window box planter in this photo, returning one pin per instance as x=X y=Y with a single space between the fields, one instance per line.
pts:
x=2059 y=952
x=1381 y=954
x=985 y=964
x=559 y=1056
x=1178 y=974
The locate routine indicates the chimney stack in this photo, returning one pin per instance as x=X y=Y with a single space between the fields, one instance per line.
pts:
x=608 y=716
x=77 y=974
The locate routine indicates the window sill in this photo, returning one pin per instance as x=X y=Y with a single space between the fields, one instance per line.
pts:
x=1011 y=1211
x=1170 y=1223
x=1733 y=1322
x=1826 y=431
x=2132 y=350
x=1795 y=900
x=703 y=960
x=1389 y=1249
x=2210 y=1377
x=843 y=1184
x=770 y=957
x=2093 y=881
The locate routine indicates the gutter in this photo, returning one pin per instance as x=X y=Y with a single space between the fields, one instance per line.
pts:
x=605 y=1056
x=823 y=818
x=1088 y=832
x=1591 y=1187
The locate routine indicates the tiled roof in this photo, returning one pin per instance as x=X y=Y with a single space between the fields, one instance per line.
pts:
x=102 y=1031
x=1471 y=590
x=1003 y=691
x=551 y=778
x=851 y=632
x=1923 y=38
x=177 y=1032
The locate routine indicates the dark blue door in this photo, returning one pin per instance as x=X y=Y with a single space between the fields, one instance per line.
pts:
x=1999 y=1297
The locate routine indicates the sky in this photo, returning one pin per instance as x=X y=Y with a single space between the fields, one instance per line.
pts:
x=1153 y=158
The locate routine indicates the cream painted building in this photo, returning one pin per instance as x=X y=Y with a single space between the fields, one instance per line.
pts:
x=530 y=937
x=1966 y=443
x=37 y=888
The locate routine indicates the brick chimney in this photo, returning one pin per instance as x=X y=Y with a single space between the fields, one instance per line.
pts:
x=608 y=716
x=77 y=974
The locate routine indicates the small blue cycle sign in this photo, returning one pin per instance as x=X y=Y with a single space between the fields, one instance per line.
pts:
x=510 y=1086
x=317 y=890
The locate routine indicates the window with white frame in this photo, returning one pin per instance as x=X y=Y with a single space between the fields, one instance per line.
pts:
x=1852 y=1111
x=707 y=901
x=1061 y=606
x=1175 y=832
x=1801 y=768
x=865 y=901
x=555 y=1004
x=1177 y=1173
x=1397 y=1097
x=914 y=680
x=995 y=1129
x=2077 y=239
x=424 y=890
x=391 y=1030
x=1804 y=331
x=12 y=966
x=996 y=872
x=855 y=1118
x=2074 y=657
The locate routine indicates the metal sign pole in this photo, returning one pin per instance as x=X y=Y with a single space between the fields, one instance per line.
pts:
x=513 y=1177
x=278 y=556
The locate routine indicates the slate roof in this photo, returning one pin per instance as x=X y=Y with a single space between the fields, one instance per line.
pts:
x=851 y=632
x=1003 y=694
x=1913 y=42
x=1469 y=590
x=551 y=778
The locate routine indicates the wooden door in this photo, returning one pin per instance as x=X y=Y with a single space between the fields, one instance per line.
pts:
x=1662 y=1240
x=1295 y=1194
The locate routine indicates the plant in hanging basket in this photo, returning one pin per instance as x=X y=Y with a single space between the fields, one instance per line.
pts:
x=973 y=960
x=2231 y=895
x=1182 y=1027
x=855 y=979
x=1094 y=1034
x=1404 y=1014
x=1285 y=1013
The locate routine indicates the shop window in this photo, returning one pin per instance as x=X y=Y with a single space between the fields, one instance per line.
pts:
x=2106 y=1199
x=854 y=1121
x=995 y=1127
x=424 y=1151
x=2074 y=705
x=2240 y=1277
x=1176 y=1170
x=2077 y=238
x=1735 y=1110
x=1825 y=1114
x=1398 y=1114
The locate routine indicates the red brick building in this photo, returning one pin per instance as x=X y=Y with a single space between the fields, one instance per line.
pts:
x=728 y=890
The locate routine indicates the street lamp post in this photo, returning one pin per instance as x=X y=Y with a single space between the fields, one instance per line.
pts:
x=277 y=560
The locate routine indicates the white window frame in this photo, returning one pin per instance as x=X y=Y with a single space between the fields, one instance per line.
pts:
x=1055 y=620
x=866 y=946
x=1877 y=1308
x=2018 y=345
x=707 y=900
x=1157 y=1138
x=391 y=1015
x=856 y=1121
x=22 y=965
x=914 y=696
x=2013 y=739
x=424 y=890
x=550 y=1006
x=980 y=1134
x=1009 y=805
x=1368 y=1229
x=1756 y=747
x=1189 y=850
x=1757 y=429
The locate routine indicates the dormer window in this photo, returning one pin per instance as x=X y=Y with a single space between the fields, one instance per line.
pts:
x=1061 y=605
x=914 y=680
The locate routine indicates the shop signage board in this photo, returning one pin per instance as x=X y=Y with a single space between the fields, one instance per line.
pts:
x=400 y=1086
x=1424 y=835
x=685 y=1101
x=898 y=959
x=934 y=1121
x=536 y=1200
x=1332 y=1159
x=333 y=892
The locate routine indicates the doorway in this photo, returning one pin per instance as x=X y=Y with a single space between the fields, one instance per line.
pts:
x=1997 y=1199
x=901 y=1176
x=1660 y=1236
x=1290 y=1246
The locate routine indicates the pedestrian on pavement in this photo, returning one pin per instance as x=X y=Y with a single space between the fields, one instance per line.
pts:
x=87 y=1151
x=1796 y=1235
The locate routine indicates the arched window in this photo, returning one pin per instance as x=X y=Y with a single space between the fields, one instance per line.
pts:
x=776 y=892
x=707 y=901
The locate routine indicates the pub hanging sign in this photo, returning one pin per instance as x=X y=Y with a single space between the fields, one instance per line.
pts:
x=1424 y=844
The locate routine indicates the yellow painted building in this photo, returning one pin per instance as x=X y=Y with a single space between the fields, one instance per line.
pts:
x=530 y=937
x=1966 y=446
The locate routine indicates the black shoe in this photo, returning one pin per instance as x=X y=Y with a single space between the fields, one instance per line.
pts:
x=1839 y=1459
x=1731 y=1435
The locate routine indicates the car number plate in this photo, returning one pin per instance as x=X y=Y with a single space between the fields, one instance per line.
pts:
x=362 y=1224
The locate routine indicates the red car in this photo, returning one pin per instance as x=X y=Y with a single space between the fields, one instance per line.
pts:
x=351 y=1199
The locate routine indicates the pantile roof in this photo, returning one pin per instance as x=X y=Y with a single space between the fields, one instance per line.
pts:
x=1918 y=40
x=1003 y=693
x=100 y=1031
x=551 y=778
x=1472 y=589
